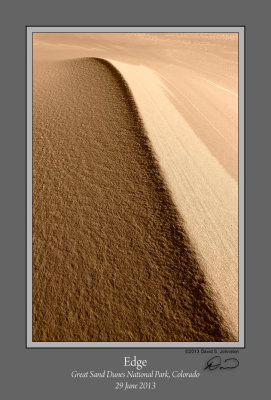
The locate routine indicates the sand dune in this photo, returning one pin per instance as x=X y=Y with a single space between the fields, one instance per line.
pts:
x=134 y=219
x=205 y=195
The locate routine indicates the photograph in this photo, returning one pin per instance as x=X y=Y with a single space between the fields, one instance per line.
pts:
x=135 y=220
x=134 y=175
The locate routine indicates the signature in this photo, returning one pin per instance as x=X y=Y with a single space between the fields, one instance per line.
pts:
x=216 y=362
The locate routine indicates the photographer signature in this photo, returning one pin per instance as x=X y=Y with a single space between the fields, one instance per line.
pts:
x=217 y=362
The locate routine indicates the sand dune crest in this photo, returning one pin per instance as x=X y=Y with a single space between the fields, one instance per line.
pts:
x=112 y=260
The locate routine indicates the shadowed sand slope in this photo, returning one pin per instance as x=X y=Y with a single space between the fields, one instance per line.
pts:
x=111 y=260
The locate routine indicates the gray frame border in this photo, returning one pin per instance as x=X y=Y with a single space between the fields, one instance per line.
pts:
x=241 y=186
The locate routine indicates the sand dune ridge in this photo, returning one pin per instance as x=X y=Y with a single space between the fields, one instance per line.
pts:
x=111 y=258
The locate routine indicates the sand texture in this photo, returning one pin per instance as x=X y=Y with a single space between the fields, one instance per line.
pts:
x=135 y=210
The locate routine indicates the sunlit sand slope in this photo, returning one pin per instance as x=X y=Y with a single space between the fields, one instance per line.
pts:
x=203 y=191
x=111 y=258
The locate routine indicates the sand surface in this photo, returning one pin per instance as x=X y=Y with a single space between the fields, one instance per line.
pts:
x=135 y=195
